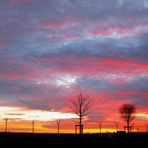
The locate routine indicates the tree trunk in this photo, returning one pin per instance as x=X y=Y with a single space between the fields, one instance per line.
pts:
x=58 y=128
x=80 y=129
x=128 y=128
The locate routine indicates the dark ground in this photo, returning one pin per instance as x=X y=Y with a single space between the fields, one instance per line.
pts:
x=72 y=140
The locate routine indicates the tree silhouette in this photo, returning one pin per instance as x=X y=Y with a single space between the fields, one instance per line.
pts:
x=127 y=112
x=100 y=125
x=146 y=127
x=6 y=124
x=33 y=122
x=80 y=106
x=117 y=125
x=58 y=125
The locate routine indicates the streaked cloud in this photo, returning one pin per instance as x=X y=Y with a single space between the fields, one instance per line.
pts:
x=38 y=115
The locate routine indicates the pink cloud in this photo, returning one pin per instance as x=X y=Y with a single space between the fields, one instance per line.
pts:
x=135 y=31
x=51 y=25
x=15 y=69
x=132 y=93
x=81 y=65
x=121 y=31
x=70 y=37
x=58 y=25
x=101 y=32
x=73 y=65
x=15 y=2
x=3 y=44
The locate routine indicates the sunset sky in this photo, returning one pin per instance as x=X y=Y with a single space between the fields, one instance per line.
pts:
x=50 y=50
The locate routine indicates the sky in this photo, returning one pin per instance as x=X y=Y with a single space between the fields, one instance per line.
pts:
x=50 y=50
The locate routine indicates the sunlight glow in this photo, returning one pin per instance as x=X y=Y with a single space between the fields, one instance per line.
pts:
x=104 y=130
x=23 y=114
x=62 y=80
x=142 y=115
x=66 y=80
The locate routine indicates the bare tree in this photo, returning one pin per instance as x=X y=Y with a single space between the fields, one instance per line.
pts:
x=6 y=124
x=80 y=106
x=100 y=125
x=33 y=122
x=127 y=112
x=133 y=126
x=58 y=125
x=117 y=126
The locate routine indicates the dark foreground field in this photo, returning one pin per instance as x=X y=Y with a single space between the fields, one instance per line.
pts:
x=72 y=140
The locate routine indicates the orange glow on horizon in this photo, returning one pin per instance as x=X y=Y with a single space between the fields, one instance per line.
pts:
x=20 y=120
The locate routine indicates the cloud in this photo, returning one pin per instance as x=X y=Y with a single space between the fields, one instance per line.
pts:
x=38 y=115
x=51 y=50
x=15 y=2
